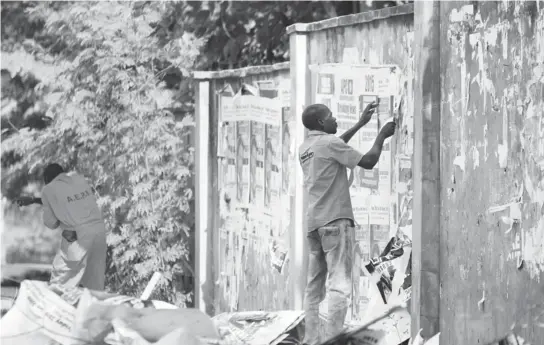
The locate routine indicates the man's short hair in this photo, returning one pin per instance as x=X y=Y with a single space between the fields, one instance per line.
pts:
x=312 y=113
x=51 y=171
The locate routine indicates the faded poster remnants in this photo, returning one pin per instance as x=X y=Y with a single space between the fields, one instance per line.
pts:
x=256 y=196
x=242 y=162
x=272 y=159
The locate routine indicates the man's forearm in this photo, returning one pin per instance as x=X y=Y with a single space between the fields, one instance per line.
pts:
x=371 y=158
x=347 y=135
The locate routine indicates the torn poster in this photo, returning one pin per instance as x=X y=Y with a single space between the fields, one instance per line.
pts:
x=278 y=254
x=256 y=190
x=384 y=170
x=384 y=110
x=404 y=176
x=361 y=255
x=286 y=148
x=272 y=164
x=367 y=136
x=228 y=111
x=325 y=89
x=230 y=160
x=382 y=268
x=284 y=93
x=242 y=162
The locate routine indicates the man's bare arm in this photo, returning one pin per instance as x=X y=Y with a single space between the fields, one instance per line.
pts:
x=371 y=158
x=347 y=135
x=365 y=118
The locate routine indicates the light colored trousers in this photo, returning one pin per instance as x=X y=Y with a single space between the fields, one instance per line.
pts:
x=83 y=261
x=331 y=251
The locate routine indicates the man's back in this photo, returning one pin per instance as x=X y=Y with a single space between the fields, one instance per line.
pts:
x=72 y=201
x=324 y=159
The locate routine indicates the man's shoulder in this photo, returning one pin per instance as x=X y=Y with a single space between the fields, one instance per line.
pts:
x=319 y=140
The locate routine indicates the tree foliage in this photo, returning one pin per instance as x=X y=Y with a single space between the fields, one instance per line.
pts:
x=114 y=120
x=250 y=33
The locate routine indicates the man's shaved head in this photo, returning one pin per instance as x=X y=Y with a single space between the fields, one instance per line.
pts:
x=318 y=117
x=51 y=171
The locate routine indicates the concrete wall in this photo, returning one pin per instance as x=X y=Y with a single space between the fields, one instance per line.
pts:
x=492 y=154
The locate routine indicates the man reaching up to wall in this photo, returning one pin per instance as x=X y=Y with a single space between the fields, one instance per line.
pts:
x=69 y=203
x=324 y=158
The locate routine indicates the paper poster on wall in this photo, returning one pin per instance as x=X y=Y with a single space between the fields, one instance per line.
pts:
x=278 y=255
x=369 y=178
x=379 y=210
x=256 y=163
x=228 y=110
x=379 y=224
x=286 y=148
x=384 y=170
x=268 y=88
x=242 y=162
x=367 y=136
x=361 y=255
x=384 y=110
x=272 y=163
x=284 y=93
x=325 y=89
x=384 y=81
x=225 y=117
x=261 y=109
x=230 y=159
x=346 y=109
x=404 y=177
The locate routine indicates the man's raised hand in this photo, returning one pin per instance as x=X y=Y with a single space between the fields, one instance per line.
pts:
x=388 y=129
x=367 y=113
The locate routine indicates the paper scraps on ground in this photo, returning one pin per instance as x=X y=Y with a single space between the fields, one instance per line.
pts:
x=260 y=327
x=40 y=315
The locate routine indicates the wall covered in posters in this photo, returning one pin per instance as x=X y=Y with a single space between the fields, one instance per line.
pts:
x=353 y=61
x=254 y=229
x=254 y=160
x=347 y=90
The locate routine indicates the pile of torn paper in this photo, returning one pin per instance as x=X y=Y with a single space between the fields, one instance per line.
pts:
x=261 y=328
x=44 y=314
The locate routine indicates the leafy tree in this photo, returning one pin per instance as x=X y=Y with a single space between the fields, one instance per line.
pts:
x=115 y=121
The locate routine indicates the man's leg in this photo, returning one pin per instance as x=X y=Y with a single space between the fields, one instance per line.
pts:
x=69 y=263
x=95 y=271
x=315 y=288
x=337 y=240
